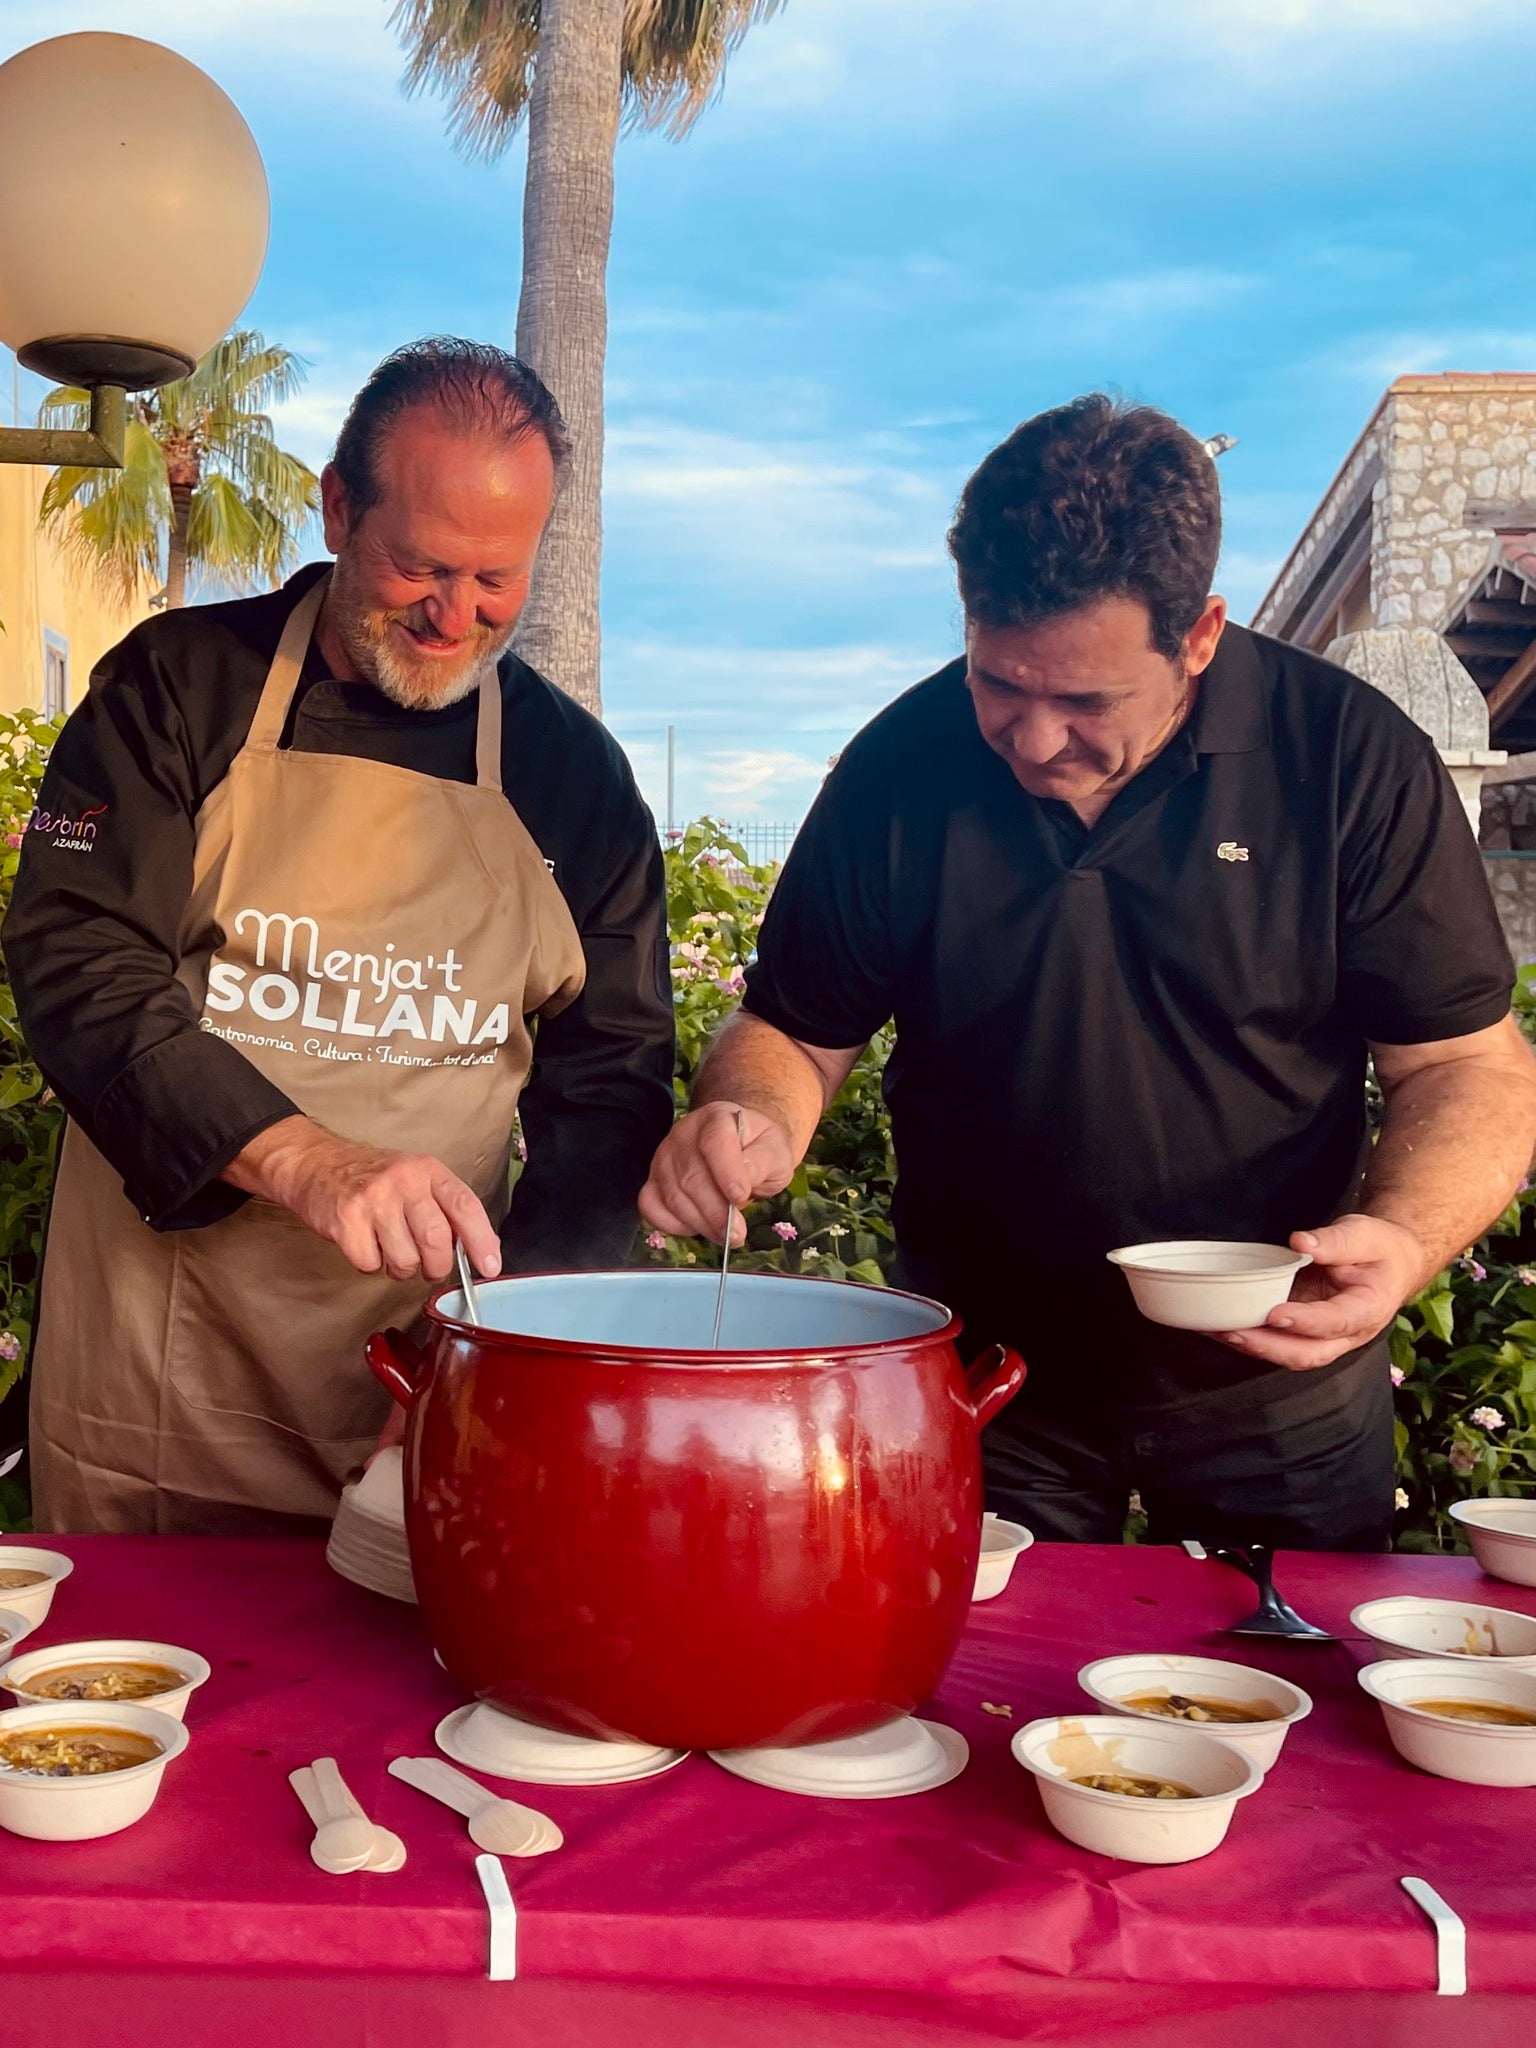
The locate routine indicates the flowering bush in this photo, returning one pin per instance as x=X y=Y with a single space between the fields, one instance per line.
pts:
x=29 y=1117
x=1464 y=1369
x=834 y=1217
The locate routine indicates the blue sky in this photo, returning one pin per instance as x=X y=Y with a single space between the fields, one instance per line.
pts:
x=906 y=225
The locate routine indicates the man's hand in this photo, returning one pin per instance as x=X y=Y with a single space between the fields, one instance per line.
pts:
x=702 y=1169
x=395 y=1211
x=1363 y=1270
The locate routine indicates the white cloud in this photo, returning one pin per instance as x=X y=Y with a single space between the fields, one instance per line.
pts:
x=1375 y=359
x=758 y=514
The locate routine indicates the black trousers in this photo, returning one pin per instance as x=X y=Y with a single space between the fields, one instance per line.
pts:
x=1299 y=1475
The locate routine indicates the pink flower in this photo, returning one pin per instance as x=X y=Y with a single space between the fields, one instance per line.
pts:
x=13 y=839
x=1478 y=1272
x=1398 y=1375
x=1487 y=1418
x=656 y=1241
x=1463 y=1458
x=10 y=1347
x=787 y=1231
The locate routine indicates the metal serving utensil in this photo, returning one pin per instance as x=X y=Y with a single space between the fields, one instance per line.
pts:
x=467 y=1286
x=730 y=1232
x=1273 y=1616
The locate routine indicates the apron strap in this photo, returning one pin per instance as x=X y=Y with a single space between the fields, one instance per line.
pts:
x=287 y=666
x=488 y=734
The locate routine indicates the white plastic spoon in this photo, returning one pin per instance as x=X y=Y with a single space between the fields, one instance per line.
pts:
x=500 y=1826
x=388 y=1849
x=344 y=1839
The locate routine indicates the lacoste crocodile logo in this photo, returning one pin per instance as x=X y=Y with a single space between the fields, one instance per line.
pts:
x=1230 y=850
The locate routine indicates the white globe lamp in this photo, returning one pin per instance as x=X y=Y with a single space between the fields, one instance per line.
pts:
x=133 y=211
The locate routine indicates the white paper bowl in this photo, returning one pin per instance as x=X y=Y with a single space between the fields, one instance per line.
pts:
x=1455 y=1749
x=80 y=1809
x=1113 y=1680
x=14 y=1630
x=1195 y=1283
x=108 y=1650
x=1502 y=1534
x=1001 y=1544
x=1406 y=1626
x=32 y=1602
x=1136 y=1830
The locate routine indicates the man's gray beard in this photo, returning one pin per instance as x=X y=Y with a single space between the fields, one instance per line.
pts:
x=402 y=687
x=383 y=668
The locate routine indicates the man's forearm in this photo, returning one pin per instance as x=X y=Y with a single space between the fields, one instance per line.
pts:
x=757 y=1066
x=1455 y=1144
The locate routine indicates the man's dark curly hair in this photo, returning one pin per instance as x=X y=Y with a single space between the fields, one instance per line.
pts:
x=1090 y=500
x=480 y=387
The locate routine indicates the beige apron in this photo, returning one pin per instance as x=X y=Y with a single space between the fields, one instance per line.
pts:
x=373 y=940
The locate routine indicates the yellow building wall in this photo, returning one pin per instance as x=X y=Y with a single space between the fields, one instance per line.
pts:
x=41 y=599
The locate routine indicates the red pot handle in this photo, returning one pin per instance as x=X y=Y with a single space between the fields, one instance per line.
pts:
x=396 y=1363
x=993 y=1379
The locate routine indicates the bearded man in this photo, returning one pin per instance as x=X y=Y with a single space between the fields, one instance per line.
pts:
x=307 y=874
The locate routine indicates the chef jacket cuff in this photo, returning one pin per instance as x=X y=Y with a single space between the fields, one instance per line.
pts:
x=172 y=1121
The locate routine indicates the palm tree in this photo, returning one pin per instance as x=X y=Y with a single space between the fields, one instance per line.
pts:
x=575 y=68
x=203 y=482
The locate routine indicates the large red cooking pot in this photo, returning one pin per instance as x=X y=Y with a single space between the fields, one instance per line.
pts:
x=617 y=1531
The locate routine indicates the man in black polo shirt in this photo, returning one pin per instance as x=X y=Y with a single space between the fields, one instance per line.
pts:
x=1141 y=890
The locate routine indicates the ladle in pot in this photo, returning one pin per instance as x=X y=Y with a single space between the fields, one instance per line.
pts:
x=730 y=1232
x=467 y=1285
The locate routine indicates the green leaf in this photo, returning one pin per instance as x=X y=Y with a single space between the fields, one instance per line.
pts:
x=1437 y=1311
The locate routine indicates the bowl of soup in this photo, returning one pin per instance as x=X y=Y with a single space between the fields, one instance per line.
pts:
x=1502 y=1534
x=1245 y=1708
x=115 y=1671
x=1407 y=1626
x=70 y=1773
x=1145 y=1791
x=29 y=1578
x=1478 y=1726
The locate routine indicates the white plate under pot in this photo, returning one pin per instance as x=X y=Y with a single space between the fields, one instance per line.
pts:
x=895 y=1761
x=487 y=1738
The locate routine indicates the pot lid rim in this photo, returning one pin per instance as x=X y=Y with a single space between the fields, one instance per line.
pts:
x=597 y=1351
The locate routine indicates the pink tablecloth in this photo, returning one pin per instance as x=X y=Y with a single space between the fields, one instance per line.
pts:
x=696 y=1909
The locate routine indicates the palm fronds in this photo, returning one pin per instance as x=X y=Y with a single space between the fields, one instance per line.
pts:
x=209 y=435
x=479 y=54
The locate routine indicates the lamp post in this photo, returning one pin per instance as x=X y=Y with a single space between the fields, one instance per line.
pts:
x=133 y=227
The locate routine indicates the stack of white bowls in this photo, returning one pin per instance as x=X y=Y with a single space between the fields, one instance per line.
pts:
x=368 y=1543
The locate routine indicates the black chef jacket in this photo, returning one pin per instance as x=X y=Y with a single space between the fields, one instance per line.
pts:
x=1156 y=1027
x=91 y=937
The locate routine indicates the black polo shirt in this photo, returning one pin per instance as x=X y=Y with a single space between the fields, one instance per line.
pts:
x=1156 y=1027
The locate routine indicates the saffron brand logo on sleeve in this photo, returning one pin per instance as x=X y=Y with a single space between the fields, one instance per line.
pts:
x=71 y=835
x=275 y=971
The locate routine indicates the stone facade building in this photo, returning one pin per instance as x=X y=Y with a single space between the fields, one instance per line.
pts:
x=1412 y=573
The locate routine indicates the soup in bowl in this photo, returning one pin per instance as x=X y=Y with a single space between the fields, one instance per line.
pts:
x=70 y=1773
x=112 y=1670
